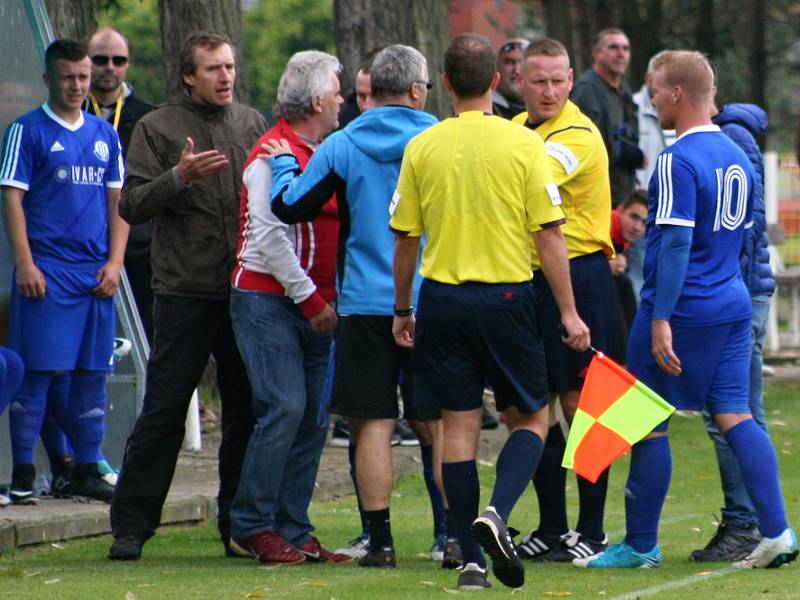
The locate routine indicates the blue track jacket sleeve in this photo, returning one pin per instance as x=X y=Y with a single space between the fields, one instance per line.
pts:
x=297 y=197
x=672 y=263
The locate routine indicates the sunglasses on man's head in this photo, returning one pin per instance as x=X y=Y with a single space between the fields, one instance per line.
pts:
x=102 y=61
x=509 y=46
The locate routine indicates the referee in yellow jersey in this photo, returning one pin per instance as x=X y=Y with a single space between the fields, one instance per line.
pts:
x=579 y=163
x=479 y=187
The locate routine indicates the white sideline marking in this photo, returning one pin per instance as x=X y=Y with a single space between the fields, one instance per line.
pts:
x=670 y=585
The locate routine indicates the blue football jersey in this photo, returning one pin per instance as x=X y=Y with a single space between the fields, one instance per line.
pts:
x=64 y=169
x=703 y=181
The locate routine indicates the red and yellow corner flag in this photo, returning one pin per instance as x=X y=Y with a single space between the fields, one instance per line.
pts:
x=614 y=412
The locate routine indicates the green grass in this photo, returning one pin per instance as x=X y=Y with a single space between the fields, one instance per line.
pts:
x=186 y=562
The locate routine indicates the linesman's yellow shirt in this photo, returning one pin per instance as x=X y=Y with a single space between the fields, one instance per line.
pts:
x=477 y=186
x=579 y=162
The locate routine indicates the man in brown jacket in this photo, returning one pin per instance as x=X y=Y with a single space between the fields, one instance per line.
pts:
x=184 y=172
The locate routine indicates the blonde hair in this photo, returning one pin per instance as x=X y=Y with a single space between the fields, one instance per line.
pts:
x=689 y=69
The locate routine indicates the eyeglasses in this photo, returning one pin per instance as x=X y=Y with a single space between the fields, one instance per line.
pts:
x=509 y=46
x=102 y=61
x=428 y=84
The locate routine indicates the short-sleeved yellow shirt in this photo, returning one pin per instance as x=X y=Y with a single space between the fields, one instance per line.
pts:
x=579 y=162
x=477 y=186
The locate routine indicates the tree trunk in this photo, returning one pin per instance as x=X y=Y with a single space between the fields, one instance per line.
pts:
x=361 y=25
x=73 y=19
x=557 y=23
x=582 y=38
x=704 y=28
x=179 y=18
x=758 y=53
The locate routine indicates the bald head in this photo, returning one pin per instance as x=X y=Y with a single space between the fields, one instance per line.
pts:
x=108 y=50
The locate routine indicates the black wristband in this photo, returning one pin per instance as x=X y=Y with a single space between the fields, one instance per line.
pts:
x=403 y=312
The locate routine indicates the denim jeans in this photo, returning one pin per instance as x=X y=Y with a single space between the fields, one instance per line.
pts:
x=738 y=509
x=286 y=363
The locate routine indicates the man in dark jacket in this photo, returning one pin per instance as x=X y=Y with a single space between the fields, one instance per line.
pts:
x=602 y=96
x=184 y=172
x=112 y=98
x=738 y=532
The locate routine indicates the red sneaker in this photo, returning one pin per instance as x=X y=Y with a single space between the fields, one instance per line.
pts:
x=315 y=552
x=268 y=547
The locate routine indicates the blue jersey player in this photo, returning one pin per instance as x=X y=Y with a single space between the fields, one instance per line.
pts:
x=690 y=341
x=61 y=177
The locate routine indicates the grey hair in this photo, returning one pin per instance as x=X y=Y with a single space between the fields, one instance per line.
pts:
x=307 y=76
x=395 y=69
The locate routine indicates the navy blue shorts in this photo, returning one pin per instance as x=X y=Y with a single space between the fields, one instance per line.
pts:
x=67 y=329
x=369 y=366
x=472 y=333
x=593 y=289
x=715 y=362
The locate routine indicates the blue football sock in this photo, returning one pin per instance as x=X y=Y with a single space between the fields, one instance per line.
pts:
x=11 y=373
x=437 y=504
x=53 y=438
x=26 y=413
x=463 y=491
x=351 y=456
x=550 y=481
x=759 y=468
x=87 y=411
x=516 y=465
x=648 y=482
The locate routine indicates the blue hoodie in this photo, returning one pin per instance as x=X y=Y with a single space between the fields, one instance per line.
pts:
x=361 y=164
x=742 y=123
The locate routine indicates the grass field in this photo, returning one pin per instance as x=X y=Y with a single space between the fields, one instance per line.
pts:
x=186 y=562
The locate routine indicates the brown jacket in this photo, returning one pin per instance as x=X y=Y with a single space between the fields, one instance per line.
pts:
x=195 y=226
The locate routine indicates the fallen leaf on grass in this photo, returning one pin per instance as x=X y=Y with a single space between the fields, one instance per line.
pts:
x=255 y=594
x=777 y=423
x=57 y=546
x=696 y=529
x=146 y=585
x=15 y=573
x=131 y=596
x=705 y=573
x=313 y=584
x=485 y=463
x=427 y=583
x=423 y=555
x=451 y=591
x=558 y=594
x=602 y=593
x=52 y=581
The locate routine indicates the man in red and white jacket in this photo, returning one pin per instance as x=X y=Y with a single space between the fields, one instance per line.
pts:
x=282 y=290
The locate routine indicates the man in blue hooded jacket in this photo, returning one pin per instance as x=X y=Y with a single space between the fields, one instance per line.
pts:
x=738 y=533
x=361 y=164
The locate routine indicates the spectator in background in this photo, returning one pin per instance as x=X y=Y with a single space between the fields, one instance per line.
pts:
x=185 y=161
x=652 y=140
x=360 y=99
x=112 y=98
x=627 y=227
x=507 y=99
x=602 y=95
x=738 y=533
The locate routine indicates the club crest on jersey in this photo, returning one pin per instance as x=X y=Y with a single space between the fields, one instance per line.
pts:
x=101 y=150
x=62 y=173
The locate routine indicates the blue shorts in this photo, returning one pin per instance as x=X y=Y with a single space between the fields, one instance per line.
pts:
x=476 y=332
x=67 y=329
x=594 y=292
x=715 y=362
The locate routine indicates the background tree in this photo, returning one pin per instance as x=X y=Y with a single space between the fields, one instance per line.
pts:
x=361 y=25
x=271 y=38
x=71 y=19
x=179 y=18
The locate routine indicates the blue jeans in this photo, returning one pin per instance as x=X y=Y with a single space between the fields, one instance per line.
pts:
x=286 y=363
x=738 y=509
